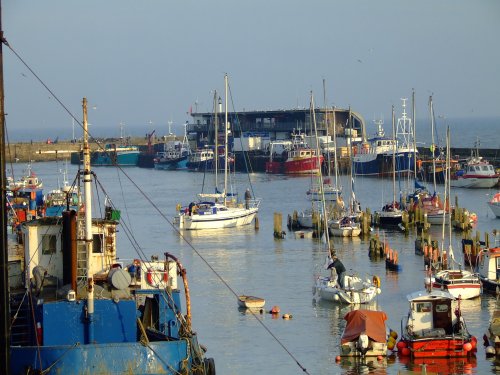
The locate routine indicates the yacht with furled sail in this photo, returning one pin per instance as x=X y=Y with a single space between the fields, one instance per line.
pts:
x=219 y=209
x=391 y=213
x=448 y=274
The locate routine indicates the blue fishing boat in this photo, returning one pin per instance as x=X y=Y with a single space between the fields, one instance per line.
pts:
x=81 y=309
x=115 y=154
x=374 y=157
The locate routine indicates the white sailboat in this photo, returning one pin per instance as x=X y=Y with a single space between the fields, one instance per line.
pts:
x=345 y=222
x=459 y=283
x=391 y=213
x=219 y=209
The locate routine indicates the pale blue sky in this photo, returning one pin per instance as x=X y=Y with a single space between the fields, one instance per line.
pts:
x=142 y=61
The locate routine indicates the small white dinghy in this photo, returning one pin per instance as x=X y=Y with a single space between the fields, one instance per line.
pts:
x=251 y=302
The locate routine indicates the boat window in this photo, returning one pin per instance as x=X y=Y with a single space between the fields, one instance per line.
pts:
x=484 y=167
x=49 y=242
x=97 y=241
x=441 y=308
x=498 y=262
x=423 y=307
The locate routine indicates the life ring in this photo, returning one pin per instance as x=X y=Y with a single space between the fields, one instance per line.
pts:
x=149 y=277
x=376 y=281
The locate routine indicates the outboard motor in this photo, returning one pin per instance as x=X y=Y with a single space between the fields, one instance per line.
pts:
x=362 y=344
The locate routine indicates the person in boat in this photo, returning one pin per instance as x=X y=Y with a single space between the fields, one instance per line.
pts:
x=339 y=269
x=191 y=206
x=248 y=196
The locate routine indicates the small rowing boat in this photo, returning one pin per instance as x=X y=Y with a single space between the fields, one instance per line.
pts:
x=251 y=302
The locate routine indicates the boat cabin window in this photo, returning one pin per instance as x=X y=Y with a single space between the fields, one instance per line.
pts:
x=97 y=242
x=423 y=307
x=498 y=262
x=49 y=242
x=441 y=308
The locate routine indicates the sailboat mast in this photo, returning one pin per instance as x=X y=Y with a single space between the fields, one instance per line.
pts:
x=433 y=146
x=328 y=171
x=321 y=187
x=413 y=118
x=4 y=256
x=216 y=154
x=335 y=157
x=225 y=138
x=394 y=147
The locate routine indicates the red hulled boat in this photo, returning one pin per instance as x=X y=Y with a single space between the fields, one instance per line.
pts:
x=432 y=329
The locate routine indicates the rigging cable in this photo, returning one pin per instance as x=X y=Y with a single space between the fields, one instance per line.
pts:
x=149 y=200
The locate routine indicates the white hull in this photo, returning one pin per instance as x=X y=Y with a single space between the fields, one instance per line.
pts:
x=350 y=349
x=464 y=284
x=232 y=217
x=475 y=183
x=345 y=232
x=495 y=208
x=356 y=290
x=437 y=218
x=337 y=229
x=251 y=302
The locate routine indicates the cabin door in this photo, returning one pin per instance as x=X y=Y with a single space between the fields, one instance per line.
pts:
x=442 y=315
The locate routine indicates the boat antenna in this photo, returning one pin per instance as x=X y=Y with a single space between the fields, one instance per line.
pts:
x=4 y=276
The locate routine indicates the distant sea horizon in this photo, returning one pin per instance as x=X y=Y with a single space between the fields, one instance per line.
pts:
x=465 y=132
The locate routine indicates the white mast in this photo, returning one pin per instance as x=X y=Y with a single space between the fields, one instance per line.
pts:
x=433 y=146
x=394 y=147
x=87 y=186
x=225 y=139
x=216 y=154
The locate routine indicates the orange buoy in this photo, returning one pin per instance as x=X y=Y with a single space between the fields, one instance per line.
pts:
x=337 y=358
x=405 y=351
x=275 y=310
x=379 y=358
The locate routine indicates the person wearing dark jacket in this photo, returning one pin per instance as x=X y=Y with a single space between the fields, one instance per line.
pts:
x=339 y=268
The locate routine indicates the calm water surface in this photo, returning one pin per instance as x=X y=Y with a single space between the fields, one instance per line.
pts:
x=249 y=261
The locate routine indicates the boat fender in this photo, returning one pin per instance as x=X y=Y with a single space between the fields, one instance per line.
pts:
x=178 y=207
x=376 y=281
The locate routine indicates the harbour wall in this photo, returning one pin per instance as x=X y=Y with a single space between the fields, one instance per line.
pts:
x=24 y=152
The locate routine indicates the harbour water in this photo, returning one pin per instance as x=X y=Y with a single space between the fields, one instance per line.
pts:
x=223 y=264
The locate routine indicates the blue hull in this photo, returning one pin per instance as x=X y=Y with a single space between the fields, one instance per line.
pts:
x=100 y=158
x=163 y=357
x=207 y=165
x=179 y=163
x=382 y=165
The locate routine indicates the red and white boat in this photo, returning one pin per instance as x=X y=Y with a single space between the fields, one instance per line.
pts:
x=432 y=329
x=459 y=283
x=476 y=173
x=300 y=158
